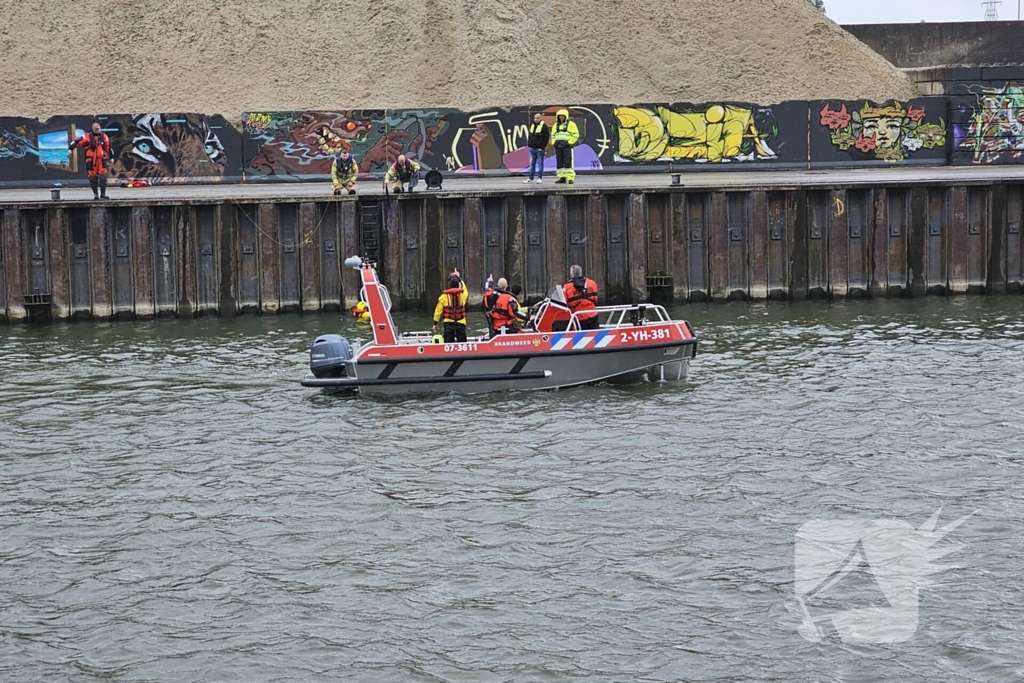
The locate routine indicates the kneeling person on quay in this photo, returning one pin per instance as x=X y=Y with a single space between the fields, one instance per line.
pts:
x=451 y=309
x=403 y=172
x=344 y=172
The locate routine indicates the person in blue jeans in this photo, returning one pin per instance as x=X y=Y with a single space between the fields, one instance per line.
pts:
x=540 y=136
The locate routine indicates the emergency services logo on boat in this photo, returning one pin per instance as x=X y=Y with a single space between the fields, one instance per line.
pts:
x=516 y=342
x=887 y=559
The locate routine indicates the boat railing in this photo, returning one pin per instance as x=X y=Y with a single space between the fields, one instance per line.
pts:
x=420 y=338
x=385 y=295
x=625 y=315
x=415 y=337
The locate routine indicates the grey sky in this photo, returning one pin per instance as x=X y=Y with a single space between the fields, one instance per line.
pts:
x=899 y=11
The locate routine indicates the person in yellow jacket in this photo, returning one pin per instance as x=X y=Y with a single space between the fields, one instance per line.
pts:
x=565 y=135
x=401 y=172
x=344 y=172
x=451 y=309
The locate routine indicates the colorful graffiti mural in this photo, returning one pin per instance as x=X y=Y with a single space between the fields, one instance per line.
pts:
x=172 y=148
x=984 y=127
x=991 y=128
x=295 y=145
x=714 y=133
x=42 y=145
x=494 y=142
x=302 y=145
x=889 y=132
x=160 y=148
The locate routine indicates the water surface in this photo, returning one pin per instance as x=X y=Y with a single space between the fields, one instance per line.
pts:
x=175 y=507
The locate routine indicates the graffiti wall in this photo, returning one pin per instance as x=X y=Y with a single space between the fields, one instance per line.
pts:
x=912 y=132
x=982 y=126
x=160 y=148
x=302 y=145
x=710 y=133
x=988 y=126
x=496 y=141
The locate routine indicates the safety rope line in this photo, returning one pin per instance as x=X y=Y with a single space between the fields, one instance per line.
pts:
x=307 y=238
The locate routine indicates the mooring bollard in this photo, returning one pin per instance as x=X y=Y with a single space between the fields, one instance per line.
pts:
x=55 y=195
x=676 y=179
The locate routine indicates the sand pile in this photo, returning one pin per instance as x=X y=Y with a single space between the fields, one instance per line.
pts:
x=82 y=56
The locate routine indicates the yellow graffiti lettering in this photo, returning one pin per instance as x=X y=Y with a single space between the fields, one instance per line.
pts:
x=258 y=119
x=840 y=207
x=720 y=132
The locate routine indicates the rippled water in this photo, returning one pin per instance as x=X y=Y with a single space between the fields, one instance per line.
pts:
x=175 y=507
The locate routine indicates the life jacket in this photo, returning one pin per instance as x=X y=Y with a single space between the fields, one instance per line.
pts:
x=503 y=310
x=404 y=172
x=454 y=310
x=344 y=167
x=490 y=298
x=581 y=295
x=360 y=311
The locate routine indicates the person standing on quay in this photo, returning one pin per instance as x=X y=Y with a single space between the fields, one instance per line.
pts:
x=565 y=135
x=540 y=137
x=97 y=154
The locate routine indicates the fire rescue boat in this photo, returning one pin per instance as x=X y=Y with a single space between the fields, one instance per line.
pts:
x=552 y=352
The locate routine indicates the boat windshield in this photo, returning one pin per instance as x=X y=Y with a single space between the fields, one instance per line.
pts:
x=557 y=294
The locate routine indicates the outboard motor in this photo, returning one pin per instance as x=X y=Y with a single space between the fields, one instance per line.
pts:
x=328 y=355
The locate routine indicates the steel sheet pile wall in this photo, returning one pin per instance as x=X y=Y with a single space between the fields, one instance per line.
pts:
x=136 y=261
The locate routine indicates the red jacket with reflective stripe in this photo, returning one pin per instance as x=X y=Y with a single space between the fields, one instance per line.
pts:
x=97 y=152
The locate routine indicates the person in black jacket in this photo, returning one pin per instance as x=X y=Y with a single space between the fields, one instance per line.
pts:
x=540 y=135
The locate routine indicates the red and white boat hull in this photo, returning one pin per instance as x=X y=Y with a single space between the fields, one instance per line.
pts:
x=627 y=348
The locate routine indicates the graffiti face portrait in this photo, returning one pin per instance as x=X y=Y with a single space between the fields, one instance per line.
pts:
x=886 y=131
x=170 y=147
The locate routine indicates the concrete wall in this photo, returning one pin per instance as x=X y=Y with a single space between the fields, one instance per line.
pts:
x=912 y=46
x=139 y=260
x=963 y=80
